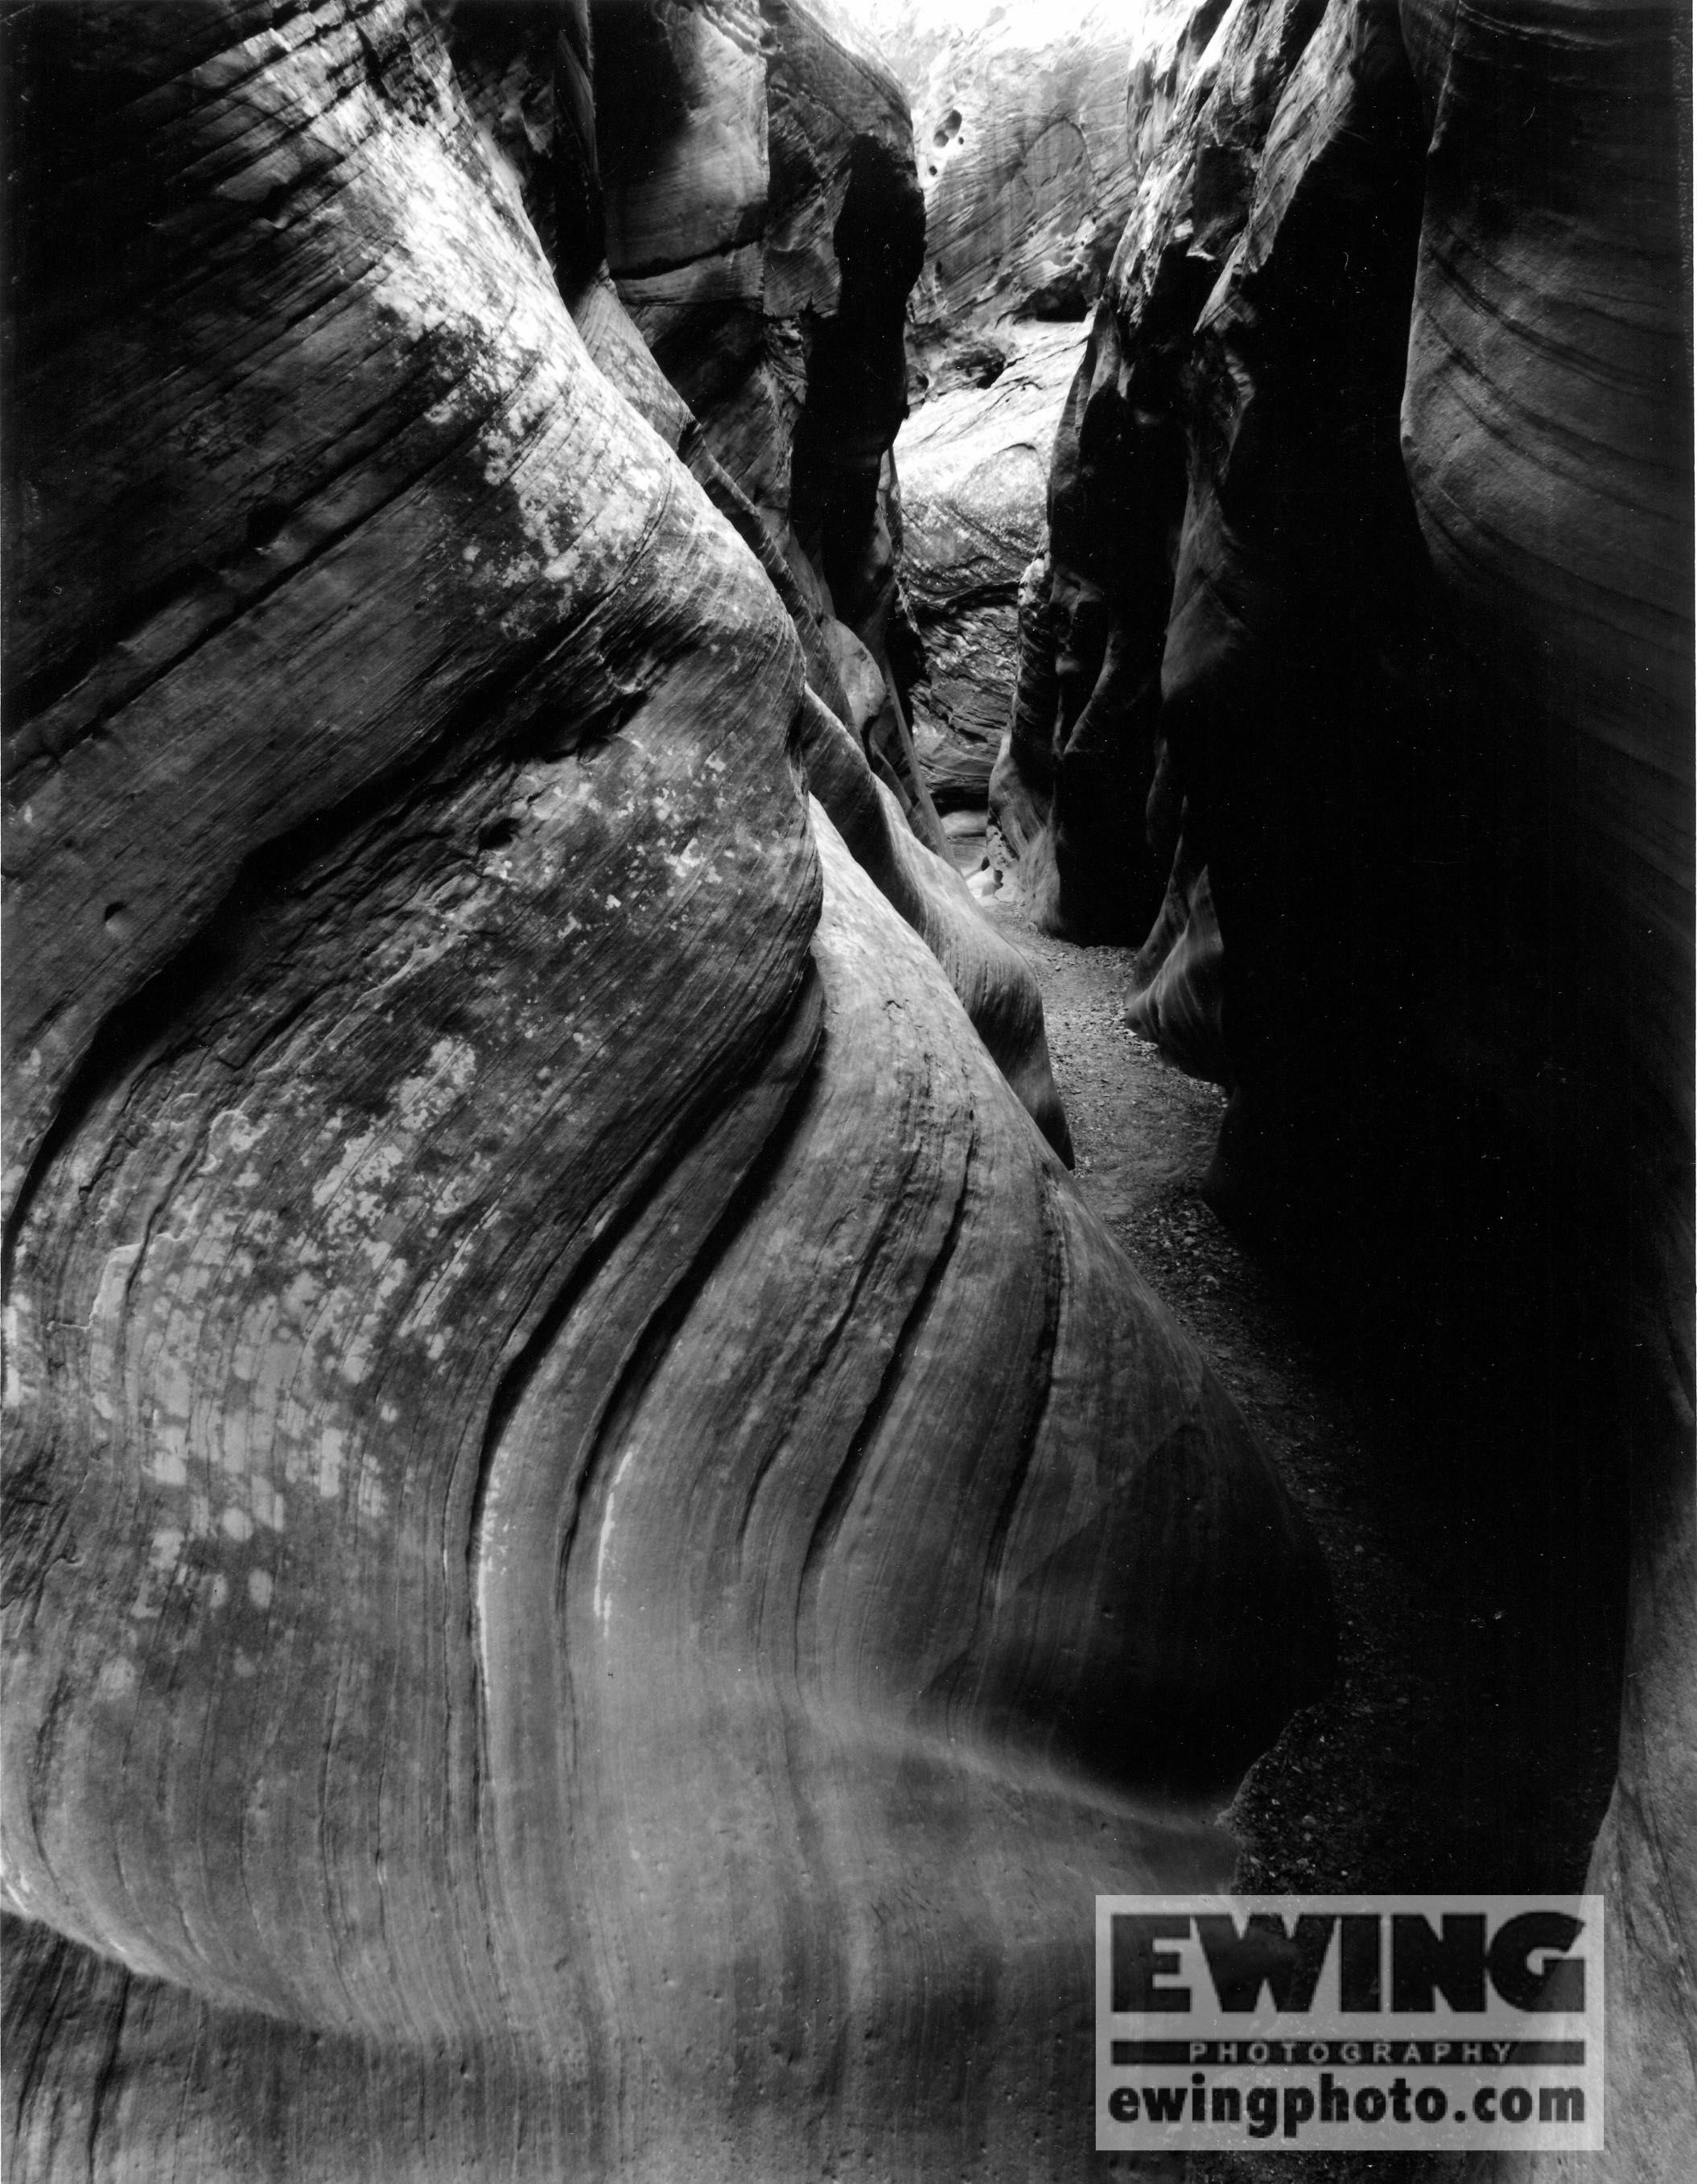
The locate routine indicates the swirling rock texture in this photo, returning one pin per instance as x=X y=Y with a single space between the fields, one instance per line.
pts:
x=544 y=116
x=1547 y=432
x=1359 y=681
x=600 y=1558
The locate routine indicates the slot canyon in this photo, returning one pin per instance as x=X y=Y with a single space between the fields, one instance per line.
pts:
x=848 y=1028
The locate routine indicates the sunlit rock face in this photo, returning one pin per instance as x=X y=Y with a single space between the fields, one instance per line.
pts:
x=602 y=1558
x=974 y=478
x=1020 y=117
x=1026 y=161
x=1355 y=691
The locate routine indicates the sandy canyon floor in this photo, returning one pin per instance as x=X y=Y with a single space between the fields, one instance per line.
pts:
x=1466 y=1744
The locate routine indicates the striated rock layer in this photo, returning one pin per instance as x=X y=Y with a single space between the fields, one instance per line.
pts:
x=729 y=191
x=1547 y=435
x=543 y=115
x=601 y=1558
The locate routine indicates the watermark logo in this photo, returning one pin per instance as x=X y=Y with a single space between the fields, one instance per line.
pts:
x=1372 y=2023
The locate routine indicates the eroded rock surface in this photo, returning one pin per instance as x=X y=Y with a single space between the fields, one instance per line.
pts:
x=842 y=199
x=1081 y=763
x=763 y=228
x=1033 y=130
x=1019 y=123
x=1025 y=162
x=601 y=1557
x=973 y=480
x=729 y=191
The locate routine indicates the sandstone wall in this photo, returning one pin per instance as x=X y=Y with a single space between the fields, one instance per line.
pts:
x=1546 y=437
x=600 y=1554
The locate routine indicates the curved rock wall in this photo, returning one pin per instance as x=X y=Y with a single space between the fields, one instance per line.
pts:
x=600 y=1554
x=728 y=189
x=1358 y=688
x=1082 y=772
x=1547 y=432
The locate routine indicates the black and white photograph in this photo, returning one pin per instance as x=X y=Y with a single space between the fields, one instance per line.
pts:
x=848 y=1093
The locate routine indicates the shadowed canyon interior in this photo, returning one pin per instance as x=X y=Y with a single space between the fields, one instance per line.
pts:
x=602 y=1552
x=1352 y=656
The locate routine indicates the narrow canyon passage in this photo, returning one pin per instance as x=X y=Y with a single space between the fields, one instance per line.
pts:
x=1468 y=1742
x=652 y=1439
